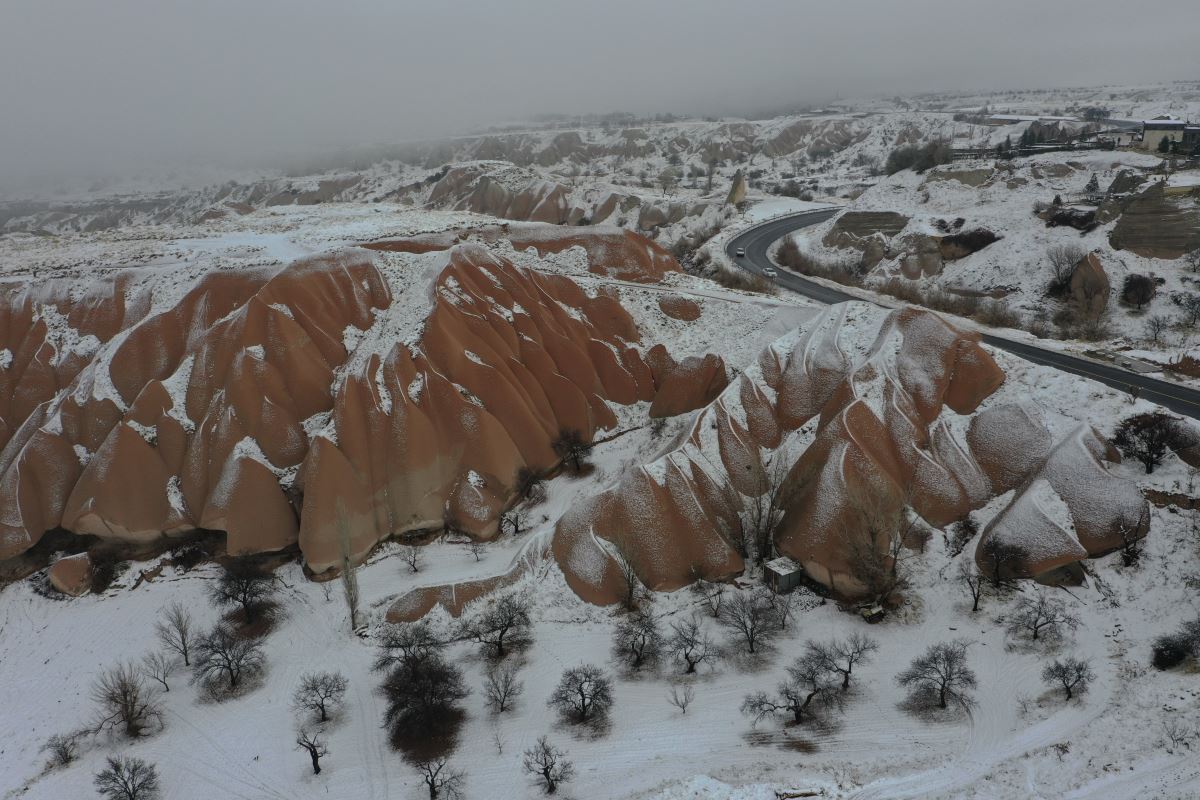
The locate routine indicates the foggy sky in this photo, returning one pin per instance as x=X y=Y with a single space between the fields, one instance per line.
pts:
x=93 y=87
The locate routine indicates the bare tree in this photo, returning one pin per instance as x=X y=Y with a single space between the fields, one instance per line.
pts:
x=127 y=779
x=1192 y=260
x=583 y=693
x=1072 y=674
x=810 y=684
x=1178 y=732
x=1063 y=259
x=711 y=593
x=442 y=782
x=681 y=696
x=1148 y=437
x=530 y=485
x=512 y=521
x=941 y=673
x=627 y=577
x=1041 y=616
x=245 y=584
x=1156 y=326
x=311 y=742
x=1190 y=303
x=1005 y=560
x=972 y=582
x=224 y=659
x=751 y=618
x=501 y=687
x=422 y=696
x=763 y=511
x=475 y=548
x=572 y=449
x=125 y=702
x=549 y=764
x=63 y=748
x=176 y=631
x=841 y=656
x=689 y=645
x=320 y=693
x=157 y=667
x=407 y=644
x=349 y=576
x=785 y=607
x=412 y=556
x=1138 y=290
x=637 y=640
x=875 y=544
x=502 y=624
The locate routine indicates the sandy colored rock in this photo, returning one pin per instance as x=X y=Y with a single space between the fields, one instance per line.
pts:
x=1090 y=286
x=72 y=575
x=678 y=307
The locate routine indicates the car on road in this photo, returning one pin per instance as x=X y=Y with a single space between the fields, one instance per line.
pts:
x=741 y=251
x=770 y=273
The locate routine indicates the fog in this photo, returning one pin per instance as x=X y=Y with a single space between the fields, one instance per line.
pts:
x=91 y=88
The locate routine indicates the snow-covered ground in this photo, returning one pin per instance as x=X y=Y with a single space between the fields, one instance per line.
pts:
x=1021 y=740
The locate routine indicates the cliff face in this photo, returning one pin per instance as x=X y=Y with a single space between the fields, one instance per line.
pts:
x=370 y=393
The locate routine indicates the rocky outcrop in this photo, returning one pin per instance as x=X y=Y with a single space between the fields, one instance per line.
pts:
x=72 y=575
x=680 y=308
x=737 y=192
x=500 y=190
x=846 y=419
x=854 y=226
x=374 y=393
x=1155 y=226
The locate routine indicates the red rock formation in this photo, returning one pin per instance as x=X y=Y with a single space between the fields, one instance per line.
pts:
x=72 y=574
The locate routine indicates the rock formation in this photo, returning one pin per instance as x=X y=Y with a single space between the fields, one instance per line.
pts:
x=381 y=391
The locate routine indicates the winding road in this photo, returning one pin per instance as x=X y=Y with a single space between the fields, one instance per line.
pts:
x=758 y=240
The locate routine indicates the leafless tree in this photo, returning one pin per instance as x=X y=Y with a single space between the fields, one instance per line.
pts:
x=128 y=779
x=501 y=687
x=1138 y=290
x=1041 y=616
x=63 y=748
x=530 y=485
x=422 y=696
x=842 y=655
x=1063 y=259
x=512 y=521
x=763 y=511
x=549 y=764
x=176 y=631
x=711 y=593
x=157 y=667
x=681 y=696
x=572 y=449
x=407 y=643
x=810 y=684
x=690 y=646
x=1192 y=260
x=475 y=548
x=1148 y=438
x=1072 y=674
x=1156 y=325
x=637 y=640
x=502 y=624
x=442 y=782
x=785 y=607
x=1190 y=303
x=583 y=693
x=1178 y=732
x=224 y=659
x=941 y=672
x=125 y=702
x=1131 y=546
x=412 y=556
x=349 y=576
x=311 y=742
x=244 y=583
x=628 y=580
x=1005 y=560
x=972 y=582
x=320 y=693
x=875 y=544
x=751 y=618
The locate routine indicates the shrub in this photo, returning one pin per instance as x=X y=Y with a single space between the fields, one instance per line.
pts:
x=918 y=157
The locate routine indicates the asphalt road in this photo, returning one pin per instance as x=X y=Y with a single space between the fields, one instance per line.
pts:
x=758 y=241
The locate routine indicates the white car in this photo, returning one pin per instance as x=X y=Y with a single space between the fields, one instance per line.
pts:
x=741 y=251
x=770 y=273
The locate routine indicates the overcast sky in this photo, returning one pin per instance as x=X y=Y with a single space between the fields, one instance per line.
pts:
x=105 y=86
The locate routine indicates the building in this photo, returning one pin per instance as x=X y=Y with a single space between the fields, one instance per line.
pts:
x=1159 y=128
x=782 y=574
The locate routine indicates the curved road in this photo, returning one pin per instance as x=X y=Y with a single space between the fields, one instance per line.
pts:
x=757 y=242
